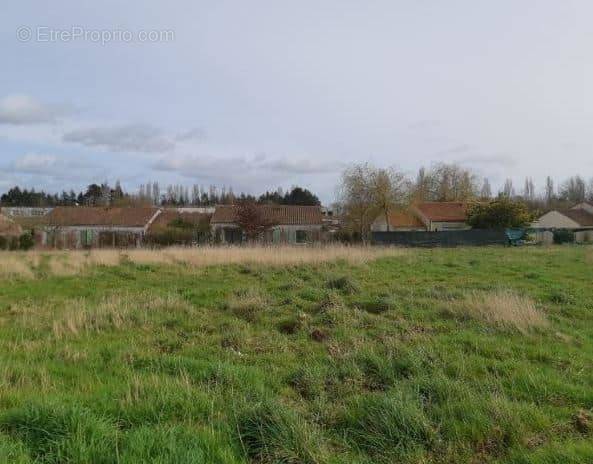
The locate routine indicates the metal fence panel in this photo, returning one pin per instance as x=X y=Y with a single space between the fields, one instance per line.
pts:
x=449 y=238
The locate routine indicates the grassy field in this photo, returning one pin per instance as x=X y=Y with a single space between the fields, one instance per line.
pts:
x=341 y=356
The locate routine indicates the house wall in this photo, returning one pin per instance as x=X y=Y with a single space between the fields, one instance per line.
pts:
x=76 y=237
x=555 y=220
x=278 y=234
x=583 y=236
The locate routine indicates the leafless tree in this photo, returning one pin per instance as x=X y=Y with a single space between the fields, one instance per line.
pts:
x=486 y=192
x=508 y=190
x=252 y=221
x=389 y=190
x=356 y=198
x=446 y=182
x=549 y=192
x=573 y=190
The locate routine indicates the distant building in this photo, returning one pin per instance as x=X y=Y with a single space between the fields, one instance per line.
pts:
x=292 y=224
x=433 y=216
x=95 y=227
x=399 y=221
x=578 y=219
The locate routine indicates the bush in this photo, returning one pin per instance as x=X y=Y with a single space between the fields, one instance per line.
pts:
x=499 y=214
x=26 y=242
x=3 y=243
x=13 y=243
x=563 y=236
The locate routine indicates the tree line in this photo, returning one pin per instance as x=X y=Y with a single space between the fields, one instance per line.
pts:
x=151 y=194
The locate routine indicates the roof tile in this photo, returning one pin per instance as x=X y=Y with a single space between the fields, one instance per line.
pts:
x=448 y=211
x=100 y=216
x=279 y=214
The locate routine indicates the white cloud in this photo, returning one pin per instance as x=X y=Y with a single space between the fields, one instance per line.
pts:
x=51 y=168
x=25 y=110
x=301 y=166
x=252 y=173
x=33 y=163
x=131 y=137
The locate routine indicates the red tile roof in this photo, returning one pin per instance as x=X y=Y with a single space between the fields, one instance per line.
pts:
x=278 y=214
x=100 y=216
x=404 y=219
x=438 y=211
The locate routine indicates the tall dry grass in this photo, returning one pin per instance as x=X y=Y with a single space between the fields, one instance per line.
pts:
x=29 y=264
x=503 y=308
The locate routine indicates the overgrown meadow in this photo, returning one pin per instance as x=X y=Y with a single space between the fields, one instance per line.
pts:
x=410 y=356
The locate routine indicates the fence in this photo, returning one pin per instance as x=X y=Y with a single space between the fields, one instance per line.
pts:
x=449 y=238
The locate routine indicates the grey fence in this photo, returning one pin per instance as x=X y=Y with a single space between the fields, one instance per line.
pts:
x=449 y=238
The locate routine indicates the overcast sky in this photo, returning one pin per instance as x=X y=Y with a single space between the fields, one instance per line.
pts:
x=260 y=94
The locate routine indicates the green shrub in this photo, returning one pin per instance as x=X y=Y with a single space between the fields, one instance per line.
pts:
x=3 y=243
x=13 y=243
x=563 y=236
x=26 y=242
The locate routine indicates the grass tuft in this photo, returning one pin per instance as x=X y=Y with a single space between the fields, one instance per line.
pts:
x=502 y=308
x=388 y=427
x=271 y=433
x=247 y=304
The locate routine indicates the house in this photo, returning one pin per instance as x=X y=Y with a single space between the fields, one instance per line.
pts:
x=291 y=224
x=399 y=221
x=30 y=219
x=585 y=205
x=431 y=216
x=578 y=219
x=87 y=227
x=442 y=215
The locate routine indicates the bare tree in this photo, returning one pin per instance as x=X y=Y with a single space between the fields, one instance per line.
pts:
x=486 y=192
x=573 y=190
x=422 y=186
x=529 y=190
x=446 y=182
x=252 y=221
x=508 y=190
x=549 y=191
x=389 y=190
x=356 y=198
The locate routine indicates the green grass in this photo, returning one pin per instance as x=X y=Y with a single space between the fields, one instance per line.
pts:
x=331 y=363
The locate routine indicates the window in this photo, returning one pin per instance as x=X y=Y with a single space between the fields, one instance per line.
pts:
x=301 y=236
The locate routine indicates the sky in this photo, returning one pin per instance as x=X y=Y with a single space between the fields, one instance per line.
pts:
x=262 y=94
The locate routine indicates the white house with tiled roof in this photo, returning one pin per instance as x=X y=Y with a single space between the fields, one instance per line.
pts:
x=291 y=224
